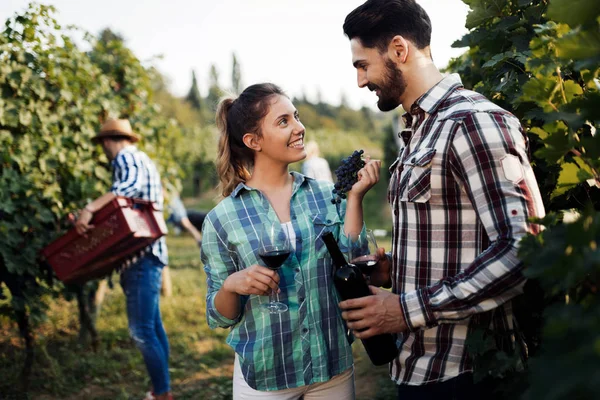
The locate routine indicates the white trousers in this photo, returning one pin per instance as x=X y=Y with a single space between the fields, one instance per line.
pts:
x=340 y=387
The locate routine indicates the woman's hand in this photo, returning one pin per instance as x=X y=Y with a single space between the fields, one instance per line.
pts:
x=255 y=279
x=368 y=176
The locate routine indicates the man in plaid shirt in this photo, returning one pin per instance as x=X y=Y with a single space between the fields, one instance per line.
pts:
x=461 y=191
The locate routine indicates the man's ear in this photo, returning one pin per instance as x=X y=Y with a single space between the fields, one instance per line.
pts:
x=398 y=49
x=252 y=141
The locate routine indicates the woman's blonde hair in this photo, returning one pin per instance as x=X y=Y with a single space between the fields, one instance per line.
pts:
x=235 y=118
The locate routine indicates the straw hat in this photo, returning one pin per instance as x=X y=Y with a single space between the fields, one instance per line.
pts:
x=116 y=127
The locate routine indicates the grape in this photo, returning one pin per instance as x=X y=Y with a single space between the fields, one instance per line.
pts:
x=347 y=175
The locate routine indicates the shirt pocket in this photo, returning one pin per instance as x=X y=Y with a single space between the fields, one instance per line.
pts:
x=416 y=176
x=325 y=222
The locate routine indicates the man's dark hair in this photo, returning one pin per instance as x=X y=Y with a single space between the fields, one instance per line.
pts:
x=376 y=22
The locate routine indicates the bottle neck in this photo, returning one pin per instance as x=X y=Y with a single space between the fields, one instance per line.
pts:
x=336 y=254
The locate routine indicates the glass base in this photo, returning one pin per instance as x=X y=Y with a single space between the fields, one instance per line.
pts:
x=274 y=307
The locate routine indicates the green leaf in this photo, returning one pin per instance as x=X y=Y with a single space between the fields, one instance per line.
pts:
x=100 y=172
x=570 y=175
x=556 y=146
x=574 y=12
x=579 y=45
x=25 y=117
x=483 y=11
x=591 y=146
x=572 y=89
x=539 y=90
x=542 y=134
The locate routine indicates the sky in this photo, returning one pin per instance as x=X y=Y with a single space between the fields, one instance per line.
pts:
x=298 y=45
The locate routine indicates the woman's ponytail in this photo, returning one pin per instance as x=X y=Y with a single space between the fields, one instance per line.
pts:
x=228 y=169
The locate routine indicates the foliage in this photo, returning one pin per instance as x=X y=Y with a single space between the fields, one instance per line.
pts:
x=54 y=98
x=541 y=60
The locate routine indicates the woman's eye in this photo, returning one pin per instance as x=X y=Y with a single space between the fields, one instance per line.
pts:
x=283 y=121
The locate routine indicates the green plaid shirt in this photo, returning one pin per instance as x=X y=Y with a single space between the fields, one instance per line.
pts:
x=308 y=343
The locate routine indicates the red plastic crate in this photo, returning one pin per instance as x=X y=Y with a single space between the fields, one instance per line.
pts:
x=122 y=227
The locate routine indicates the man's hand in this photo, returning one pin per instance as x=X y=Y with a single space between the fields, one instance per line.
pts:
x=82 y=225
x=255 y=279
x=373 y=315
x=381 y=273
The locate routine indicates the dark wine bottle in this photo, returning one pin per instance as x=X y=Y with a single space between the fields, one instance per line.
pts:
x=351 y=284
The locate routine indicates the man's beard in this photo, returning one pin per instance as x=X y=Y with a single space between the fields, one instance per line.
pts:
x=392 y=89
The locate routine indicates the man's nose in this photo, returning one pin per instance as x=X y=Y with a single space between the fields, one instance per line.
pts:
x=361 y=79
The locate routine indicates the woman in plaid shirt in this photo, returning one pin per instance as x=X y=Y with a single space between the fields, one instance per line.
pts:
x=301 y=353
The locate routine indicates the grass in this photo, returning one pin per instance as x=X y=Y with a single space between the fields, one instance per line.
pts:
x=201 y=364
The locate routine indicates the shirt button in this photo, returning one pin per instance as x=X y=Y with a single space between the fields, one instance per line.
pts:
x=297 y=270
x=414 y=160
x=294 y=217
x=328 y=221
x=304 y=330
x=300 y=299
x=396 y=212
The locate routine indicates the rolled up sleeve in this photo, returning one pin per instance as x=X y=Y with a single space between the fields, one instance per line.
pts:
x=219 y=263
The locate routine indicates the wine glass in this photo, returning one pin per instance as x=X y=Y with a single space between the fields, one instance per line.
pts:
x=362 y=252
x=274 y=250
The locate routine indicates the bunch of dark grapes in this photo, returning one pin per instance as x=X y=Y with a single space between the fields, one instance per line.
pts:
x=347 y=175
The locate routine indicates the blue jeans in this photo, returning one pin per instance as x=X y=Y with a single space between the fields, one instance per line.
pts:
x=141 y=284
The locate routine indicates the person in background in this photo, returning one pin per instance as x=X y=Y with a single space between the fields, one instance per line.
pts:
x=462 y=193
x=178 y=216
x=315 y=166
x=136 y=176
x=302 y=353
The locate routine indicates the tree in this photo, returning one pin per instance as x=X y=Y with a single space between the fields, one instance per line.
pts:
x=236 y=76
x=214 y=90
x=107 y=35
x=343 y=100
x=193 y=97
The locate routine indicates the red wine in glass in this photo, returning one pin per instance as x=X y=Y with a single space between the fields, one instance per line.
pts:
x=362 y=252
x=274 y=258
x=274 y=249
x=366 y=263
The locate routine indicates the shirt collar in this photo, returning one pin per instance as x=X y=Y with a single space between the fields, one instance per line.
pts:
x=431 y=100
x=299 y=180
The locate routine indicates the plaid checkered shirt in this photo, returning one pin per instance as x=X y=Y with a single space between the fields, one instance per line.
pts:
x=461 y=192
x=135 y=175
x=306 y=344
